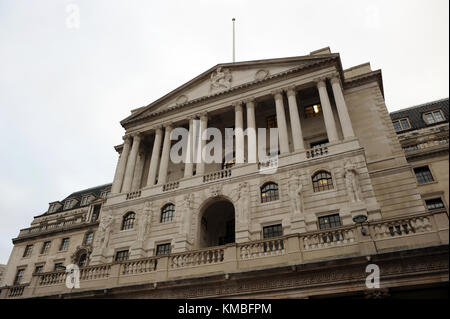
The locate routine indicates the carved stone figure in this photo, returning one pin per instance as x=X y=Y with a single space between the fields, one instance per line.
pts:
x=145 y=222
x=105 y=228
x=243 y=203
x=352 y=182
x=295 y=194
x=221 y=79
x=188 y=205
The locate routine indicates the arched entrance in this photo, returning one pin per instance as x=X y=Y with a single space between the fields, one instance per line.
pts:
x=217 y=224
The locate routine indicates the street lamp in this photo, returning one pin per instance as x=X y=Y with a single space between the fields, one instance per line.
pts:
x=360 y=219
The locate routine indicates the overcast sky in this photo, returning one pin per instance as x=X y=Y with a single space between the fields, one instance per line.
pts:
x=63 y=90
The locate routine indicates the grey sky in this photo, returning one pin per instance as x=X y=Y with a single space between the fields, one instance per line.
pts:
x=63 y=91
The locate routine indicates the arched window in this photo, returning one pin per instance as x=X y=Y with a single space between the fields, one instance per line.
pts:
x=128 y=220
x=322 y=181
x=82 y=260
x=167 y=213
x=269 y=192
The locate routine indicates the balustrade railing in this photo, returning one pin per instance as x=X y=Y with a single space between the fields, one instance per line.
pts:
x=402 y=227
x=269 y=247
x=53 y=225
x=316 y=152
x=133 y=195
x=328 y=238
x=225 y=173
x=95 y=272
x=171 y=186
x=52 y=278
x=139 y=266
x=16 y=291
x=197 y=258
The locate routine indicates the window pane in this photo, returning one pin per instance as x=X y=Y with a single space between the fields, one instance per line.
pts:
x=438 y=116
x=397 y=126
x=128 y=221
x=322 y=181
x=429 y=118
x=272 y=231
x=435 y=203
x=121 y=255
x=405 y=124
x=423 y=175
x=330 y=221
x=167 y=213
x=269 y=192
x=163 y=249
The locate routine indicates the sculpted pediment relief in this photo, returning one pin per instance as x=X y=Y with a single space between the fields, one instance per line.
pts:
x=222 y=78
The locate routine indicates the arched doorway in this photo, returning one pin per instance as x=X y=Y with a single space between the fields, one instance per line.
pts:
x=217 y=224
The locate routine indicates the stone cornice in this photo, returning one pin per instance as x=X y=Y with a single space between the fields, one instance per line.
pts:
x=365 y=78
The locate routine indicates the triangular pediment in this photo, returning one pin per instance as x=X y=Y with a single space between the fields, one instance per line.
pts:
x=223 y=78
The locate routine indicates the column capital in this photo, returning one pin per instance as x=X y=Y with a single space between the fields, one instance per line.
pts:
x=277 y=93
x=290 y=90
x=249 y=100
x=203 y=115
x=168 y=125
x=137 y=135
x=335 y=78
x=191 y=117
x=237 y=106
x=126 y=138
x=320 y=81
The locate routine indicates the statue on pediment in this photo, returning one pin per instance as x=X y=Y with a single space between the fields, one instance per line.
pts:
x=221 y=79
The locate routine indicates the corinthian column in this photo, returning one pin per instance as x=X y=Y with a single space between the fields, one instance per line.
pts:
x=344 y=117
x=281 y=122
x=154 y=161
x=120 y=169
x=297 y=134
x=131 y=163
x=189 y=165
x=330 y=124
x=239 y=133
x=252 y=136
x=203 y=126
x=162 y=176
x=137 y=177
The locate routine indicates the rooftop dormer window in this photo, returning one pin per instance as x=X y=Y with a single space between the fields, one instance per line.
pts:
x=52 y=208
x=401 y=125
x=68 y=203
x=433 y=117
x=86 y=200
x=105 y=194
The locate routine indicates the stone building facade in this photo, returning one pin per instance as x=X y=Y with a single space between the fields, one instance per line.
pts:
x=341 y=194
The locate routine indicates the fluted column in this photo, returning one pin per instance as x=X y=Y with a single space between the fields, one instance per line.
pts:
x=137 y=177
x=189 y=161
x=252 y=135
x=121 y=165
x=165 y=156
x=344 y=117
x=154 y=161
x=330 y=124
x=281 y=122
x=239 y=133
x=131 y=164
x=296 y=127
x=203 y=126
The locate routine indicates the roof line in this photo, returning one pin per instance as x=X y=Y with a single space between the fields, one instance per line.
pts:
x=416 y=106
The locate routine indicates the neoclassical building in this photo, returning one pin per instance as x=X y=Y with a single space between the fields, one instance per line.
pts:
x=347 y=189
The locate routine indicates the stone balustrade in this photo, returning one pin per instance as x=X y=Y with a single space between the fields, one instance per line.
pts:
x=170 y=186
x=197 y=258
x=133 y=195
x=210 y=177
x=139 y=266
x=263 y=248
x=317 y=152
x=373 y=237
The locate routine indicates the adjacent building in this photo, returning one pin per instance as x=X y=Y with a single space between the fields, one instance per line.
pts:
x=351 y=189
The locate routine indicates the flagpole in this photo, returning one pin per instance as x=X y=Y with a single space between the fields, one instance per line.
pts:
x=234 y=56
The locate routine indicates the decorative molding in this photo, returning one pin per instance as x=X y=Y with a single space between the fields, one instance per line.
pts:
x=261 y=74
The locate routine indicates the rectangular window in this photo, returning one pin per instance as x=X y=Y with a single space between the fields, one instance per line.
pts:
x=163 y=249
x=59 y=266
x=330 y=221
x=271 y=122
x=433 y=117
x=89 y=238
x=313 y=110
x=38 y=269
x=95 y=213
x=86 y=200
x=45 y=247
x=64 y=244
x=401 y=125
x=435 y=203
x=121 y=255
x=27 y=251
x=19 y=276
x=104 y=194
x=423 y=175
x=68 y=204
x=272 y=231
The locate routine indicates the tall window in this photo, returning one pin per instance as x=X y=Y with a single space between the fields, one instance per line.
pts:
x=121 y=255
x=53 y=208
x=167 y=213
x=322 y=181
x=95 y=213
x=269 y=192
x=38 y=269
x=27 y=251
x=312 y=110
x=163 y=249
x=19 y=276
x=435 y=203
x=272 y=231
x=433 y=117
x=128 y=221
x=64 y=244
x=330 y=221
x=45 y=247
x=401 y=125
x=89 y=237
x=423 y=175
